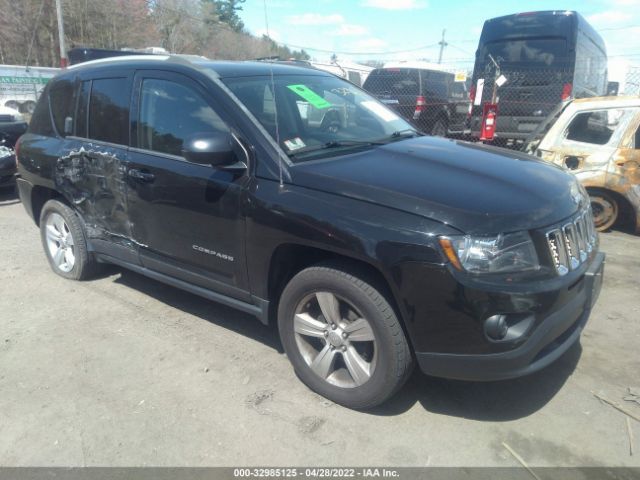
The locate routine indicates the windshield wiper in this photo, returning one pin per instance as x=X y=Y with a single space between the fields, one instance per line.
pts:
x=334 y=144
x=397 y=135
x=406 y=133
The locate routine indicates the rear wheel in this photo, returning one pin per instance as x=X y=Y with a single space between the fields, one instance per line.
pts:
x=64 y=242
x=343 y=337
x=605 y=209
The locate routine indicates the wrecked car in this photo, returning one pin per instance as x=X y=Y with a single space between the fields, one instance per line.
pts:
x=598 y=140
x=372 y=246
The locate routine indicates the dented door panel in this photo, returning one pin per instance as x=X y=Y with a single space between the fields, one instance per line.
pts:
x=92 y=177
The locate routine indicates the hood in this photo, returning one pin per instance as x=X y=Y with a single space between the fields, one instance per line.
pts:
x=472 y=187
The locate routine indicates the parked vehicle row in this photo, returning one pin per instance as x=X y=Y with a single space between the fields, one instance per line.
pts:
x=545 y=57
x=371 y=245
x=424 y=94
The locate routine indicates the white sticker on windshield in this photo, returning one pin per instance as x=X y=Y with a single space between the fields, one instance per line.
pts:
x=294 y=144
x=382 y=112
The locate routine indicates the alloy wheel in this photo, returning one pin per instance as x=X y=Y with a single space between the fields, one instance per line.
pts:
x=60 y=243
x=335 y=340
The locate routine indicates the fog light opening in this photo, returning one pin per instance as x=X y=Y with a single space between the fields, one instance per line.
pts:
x=496 y=327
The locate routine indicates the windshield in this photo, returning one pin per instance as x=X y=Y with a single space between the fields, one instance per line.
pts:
x=317 y=115
x=535 y=52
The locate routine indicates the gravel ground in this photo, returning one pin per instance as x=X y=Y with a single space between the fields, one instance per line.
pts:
x=125 y=371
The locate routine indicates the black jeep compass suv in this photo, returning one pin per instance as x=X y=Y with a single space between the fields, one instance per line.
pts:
x=371 y=245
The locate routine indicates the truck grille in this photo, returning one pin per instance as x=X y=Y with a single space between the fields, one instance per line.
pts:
x=571 y=243
x=6 y=118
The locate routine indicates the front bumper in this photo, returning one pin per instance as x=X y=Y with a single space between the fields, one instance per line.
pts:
x=552 y=337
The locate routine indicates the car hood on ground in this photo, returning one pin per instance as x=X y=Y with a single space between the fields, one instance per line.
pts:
x=472 y=187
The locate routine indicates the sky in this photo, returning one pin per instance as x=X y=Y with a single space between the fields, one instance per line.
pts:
x=410 y=29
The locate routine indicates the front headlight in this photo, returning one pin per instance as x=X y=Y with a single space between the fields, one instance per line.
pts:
x=508 y=253
x=18 y=117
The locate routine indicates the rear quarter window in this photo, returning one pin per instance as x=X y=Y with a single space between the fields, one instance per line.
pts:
x=62 y=101
x=40 y=123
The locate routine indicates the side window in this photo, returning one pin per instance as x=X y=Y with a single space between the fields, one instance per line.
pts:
x=171 y=112
x=83 y=108
x=595 y=127
x=40 y=123
x=109 y=111
x=62 y=101
x=636 y=143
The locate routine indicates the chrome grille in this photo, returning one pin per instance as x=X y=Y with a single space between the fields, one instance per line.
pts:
x=6 y=118
x=571 y=243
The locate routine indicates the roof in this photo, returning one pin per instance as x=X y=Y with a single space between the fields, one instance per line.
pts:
x=419 y=64
x=223 y=69
x=607 y=102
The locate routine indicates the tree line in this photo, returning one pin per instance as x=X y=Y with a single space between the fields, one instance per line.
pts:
x=213 y=28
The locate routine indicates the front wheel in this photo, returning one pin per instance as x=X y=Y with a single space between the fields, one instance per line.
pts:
x=605 y=209
x=343 y=337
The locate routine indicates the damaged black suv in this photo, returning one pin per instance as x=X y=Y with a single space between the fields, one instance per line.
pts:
x=295 y=196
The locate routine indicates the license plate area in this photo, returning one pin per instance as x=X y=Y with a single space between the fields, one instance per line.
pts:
x=594 y=278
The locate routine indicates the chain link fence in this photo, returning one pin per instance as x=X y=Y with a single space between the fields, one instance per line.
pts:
x=448 y=101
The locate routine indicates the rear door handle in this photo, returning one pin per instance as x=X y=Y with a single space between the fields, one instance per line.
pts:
x=141 y=175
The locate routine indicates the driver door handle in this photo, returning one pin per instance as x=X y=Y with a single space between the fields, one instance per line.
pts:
x=141 y=175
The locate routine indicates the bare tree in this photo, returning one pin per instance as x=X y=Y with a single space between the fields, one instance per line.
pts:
x=28 y=29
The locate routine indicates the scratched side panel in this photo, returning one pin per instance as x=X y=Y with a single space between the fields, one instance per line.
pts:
x=92 y=177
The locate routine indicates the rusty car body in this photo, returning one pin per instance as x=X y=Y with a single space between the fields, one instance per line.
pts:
x=598 y=139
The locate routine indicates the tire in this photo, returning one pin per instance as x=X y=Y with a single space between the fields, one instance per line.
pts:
x=62 y=234
x=439 y=129
x=358 y=373
x=605 y=209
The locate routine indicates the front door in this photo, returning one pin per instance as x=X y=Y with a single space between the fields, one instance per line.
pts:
x=186 y=217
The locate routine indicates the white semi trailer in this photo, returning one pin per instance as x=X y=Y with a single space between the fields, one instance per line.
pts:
x=20 y=86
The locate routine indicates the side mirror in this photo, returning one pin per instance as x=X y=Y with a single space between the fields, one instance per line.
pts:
x=214 y=149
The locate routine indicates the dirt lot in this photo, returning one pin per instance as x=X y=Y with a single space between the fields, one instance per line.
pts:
x=123 y=370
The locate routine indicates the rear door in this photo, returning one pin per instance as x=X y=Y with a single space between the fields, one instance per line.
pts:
x=92 y=164
x=186 y=217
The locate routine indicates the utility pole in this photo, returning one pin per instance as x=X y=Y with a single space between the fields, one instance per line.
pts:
x=63 y=51
x=442 y=44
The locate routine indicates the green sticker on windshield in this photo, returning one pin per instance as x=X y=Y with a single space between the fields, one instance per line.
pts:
x=310 y=96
